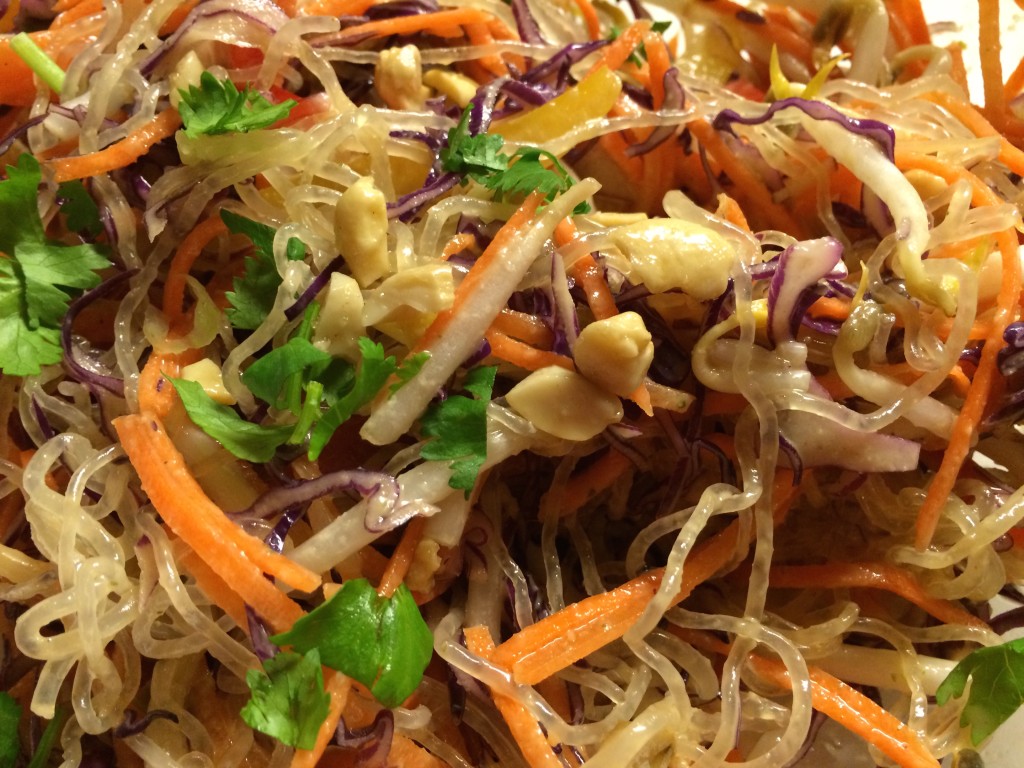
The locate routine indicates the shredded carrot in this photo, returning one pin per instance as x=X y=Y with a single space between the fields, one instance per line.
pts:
x=1009 y=155
x=481 y=267
x=590 y=18
x=76 y=12
x=217 y=590
x=854 y=711
x=334 y=7
x=523 y=355
x=238 y=558
x=525 y=730
x=156 y=395
x=745 y=183
x=989 y=49
x=446 y=23
x=730 y=210
x=479 y=34
x=1014 y=83
x=337 y=687
x=525 y=327
x=585 y=485
x=565 y=637
x=457 y=244
x=191 y=247
x=876 y=575
x=908 y=19
x=659 y=63
x=830 y=307
x=589 y=274
x=118 y=155
x=973 y=409
x=402 y=557
x=177 y=16
x=618 y=51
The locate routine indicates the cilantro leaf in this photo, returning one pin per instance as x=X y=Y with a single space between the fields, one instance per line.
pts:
x=266 y=378
x=254 y=293
x=997 y=687
x=374 y=371
x=83 y=215
x=382 y=642
x=35 y=275
x=242 y=438
x=10 y=744
x=288 y=699
x=459 y=424
x=527 y=173
x=217 y=106
x=475 y=156
x=408 y=370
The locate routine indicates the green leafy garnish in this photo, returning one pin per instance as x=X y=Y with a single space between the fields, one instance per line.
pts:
x=480 y=158
x=408 y=370
x=217 y=106
x=382 y=642
x=459 y=426
x=288 y=699
x=374 y=371
x=242 y=438
x=267 y=377
x=254 y=293
x=10 y=744
x=83 y=215
x=36 y=275
x=997 y=687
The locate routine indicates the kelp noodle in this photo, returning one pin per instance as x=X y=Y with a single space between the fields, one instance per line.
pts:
x=667 y=355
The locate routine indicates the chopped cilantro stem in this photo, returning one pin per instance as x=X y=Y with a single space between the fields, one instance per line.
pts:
x=48 y=740
x=38 y=61
x=310 y=410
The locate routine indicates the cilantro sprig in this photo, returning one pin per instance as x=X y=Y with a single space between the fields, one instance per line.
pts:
x=997 y=687
x=217 y=106
x=287 y=699
x=382 y=642
x=254 y=293
x=458 y=425
x=38 y=276
x=480 y=157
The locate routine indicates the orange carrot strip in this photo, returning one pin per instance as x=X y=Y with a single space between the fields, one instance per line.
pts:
x=237 y=557
x=616 y=53
x=127 y=151
x=76 y=12
x=481 y=267
x=854 y=711
x=408 y=754
x=156 y=395
x=830 y=307
x=1014 y=83
x=191 y=247
x=989 y=49
x=523 y=355
x=523 y=326
x=402 y=557
x=565 y=637
x=909 y=17
x=659 y=63
x=334 y=7
x=730 y=210
x=585 y=485
x=525 y=730
x=337 y=687
x=745 y=182
x=1009 y=155
x=457 y=244
x=977 y=396
x=442 y=23
x=480 y=34
x=586 y=271
x=215 y=588
x=891 y=578
x=590 y=18
x=177 y=16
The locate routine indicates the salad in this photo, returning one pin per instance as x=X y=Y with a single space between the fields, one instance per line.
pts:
x=445 y=383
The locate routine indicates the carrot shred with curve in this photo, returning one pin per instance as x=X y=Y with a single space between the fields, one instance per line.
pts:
x=518 y=353
x=156 y=395
x=127 y=151
x=191 y=247
x=445 y=23
x=877 y=575
x=525 y=730
x=238 y=558
x=590 y=18
x=563 y=638
x=402 y=557
x=337 y=687
x=585 y=485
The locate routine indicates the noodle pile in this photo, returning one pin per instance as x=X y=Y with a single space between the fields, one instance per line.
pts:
x=732 y=305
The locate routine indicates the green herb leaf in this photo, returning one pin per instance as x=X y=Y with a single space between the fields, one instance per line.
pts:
x=217 y=106
x=254 y=293
x=288 y=699
x=527 y=173
x=266 y=378
x=35 y=275
x=459 y=424
x=83 y=215
x=10 y=716
x=475 y=156
x=997 y=687
x=381 y=642
x=409 y=368
x=374 y=371
x=242 y=438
